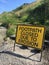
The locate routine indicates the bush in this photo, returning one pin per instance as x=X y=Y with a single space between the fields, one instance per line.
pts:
x=10 y=32
x=47 y=33
x=5 y=24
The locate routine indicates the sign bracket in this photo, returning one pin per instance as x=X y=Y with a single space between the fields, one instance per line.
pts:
x=41 y=55
x=31 y=55
x=32 y=35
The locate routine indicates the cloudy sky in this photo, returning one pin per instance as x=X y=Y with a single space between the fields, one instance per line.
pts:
x=8 y=5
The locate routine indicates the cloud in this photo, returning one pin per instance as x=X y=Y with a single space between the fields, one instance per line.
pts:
x=3 y=1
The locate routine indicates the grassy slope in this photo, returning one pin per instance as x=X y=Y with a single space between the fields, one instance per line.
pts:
x=20 y=13
x=24 y=8
x=33 y=13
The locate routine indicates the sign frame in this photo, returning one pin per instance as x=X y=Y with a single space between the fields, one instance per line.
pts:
x=29 y=46
x=32 y=26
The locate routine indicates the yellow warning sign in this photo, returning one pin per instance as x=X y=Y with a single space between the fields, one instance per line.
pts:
x=29 y=35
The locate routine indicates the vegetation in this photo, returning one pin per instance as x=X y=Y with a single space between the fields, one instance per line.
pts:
x=33 y=13
x=10 y=32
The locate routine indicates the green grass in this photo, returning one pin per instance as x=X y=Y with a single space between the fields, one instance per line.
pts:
x=33 y=13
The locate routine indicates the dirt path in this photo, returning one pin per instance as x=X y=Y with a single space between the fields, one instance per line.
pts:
x=18 y=57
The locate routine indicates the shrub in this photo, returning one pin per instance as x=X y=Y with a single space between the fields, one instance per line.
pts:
x=5 y=24
x=10 y=32
x=47 y=33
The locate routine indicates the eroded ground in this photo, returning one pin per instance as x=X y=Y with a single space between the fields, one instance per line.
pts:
x=19 y=56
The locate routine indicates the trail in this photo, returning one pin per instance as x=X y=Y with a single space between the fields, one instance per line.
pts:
x=10 y=57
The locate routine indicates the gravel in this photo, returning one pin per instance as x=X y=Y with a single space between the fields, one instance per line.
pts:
x=18 y=57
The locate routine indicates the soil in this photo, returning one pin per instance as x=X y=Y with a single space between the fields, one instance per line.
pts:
x=21 y=55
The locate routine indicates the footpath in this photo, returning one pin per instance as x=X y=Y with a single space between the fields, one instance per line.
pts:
x=20 y=56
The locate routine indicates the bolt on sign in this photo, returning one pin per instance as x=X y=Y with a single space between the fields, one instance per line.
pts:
x=29 y=35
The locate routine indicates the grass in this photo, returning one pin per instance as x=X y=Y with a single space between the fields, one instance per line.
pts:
x=33 y=13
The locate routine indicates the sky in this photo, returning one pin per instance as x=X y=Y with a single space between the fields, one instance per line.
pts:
x=9 y=5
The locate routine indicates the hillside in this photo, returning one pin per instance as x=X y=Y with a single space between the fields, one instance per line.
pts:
x=25 y=7
x=34 y=13
x=21 y=11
